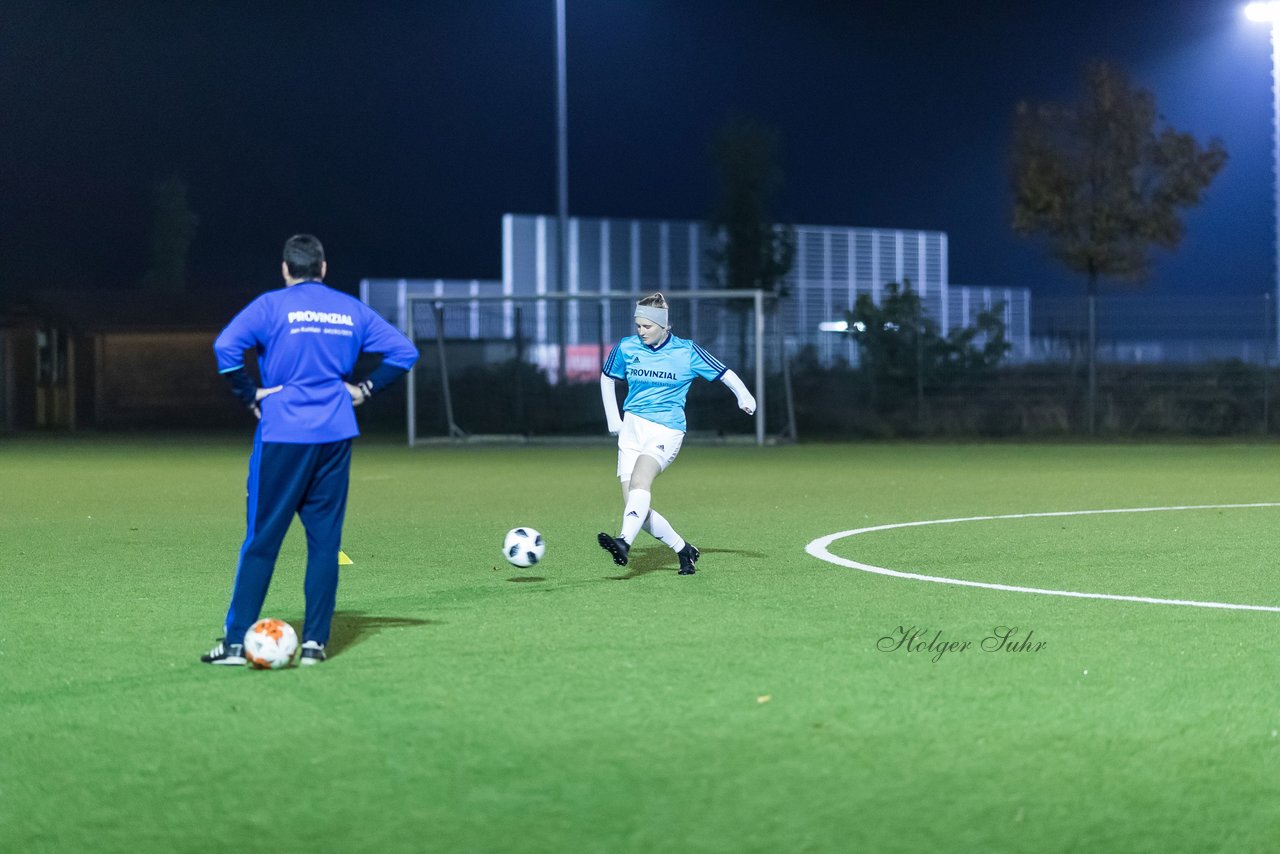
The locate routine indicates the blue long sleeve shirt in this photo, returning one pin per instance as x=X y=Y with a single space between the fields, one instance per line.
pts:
x=308 y=337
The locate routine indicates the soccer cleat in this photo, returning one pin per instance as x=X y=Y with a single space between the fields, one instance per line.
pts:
x=688 y=557
x=230 y=654
x=615 y=546
x=312 y=653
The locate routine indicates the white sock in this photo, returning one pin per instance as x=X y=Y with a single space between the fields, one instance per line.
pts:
x=633 y=517
x=658 y=525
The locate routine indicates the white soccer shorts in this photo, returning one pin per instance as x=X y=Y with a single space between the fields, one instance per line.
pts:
x=641 y=436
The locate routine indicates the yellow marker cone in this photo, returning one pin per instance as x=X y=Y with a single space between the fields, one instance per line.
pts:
x=343 y=560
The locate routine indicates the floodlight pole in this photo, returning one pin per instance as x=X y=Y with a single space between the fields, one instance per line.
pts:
x=1275 y=134
x=562 y=173
x=1269 y=13
x=1266 y=363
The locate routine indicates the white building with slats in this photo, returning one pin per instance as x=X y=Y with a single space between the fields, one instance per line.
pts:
x=833 y=265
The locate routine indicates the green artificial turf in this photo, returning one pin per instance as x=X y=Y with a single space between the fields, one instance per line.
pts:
x=577 y=706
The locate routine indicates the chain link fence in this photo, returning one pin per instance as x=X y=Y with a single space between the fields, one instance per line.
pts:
x=530 y=367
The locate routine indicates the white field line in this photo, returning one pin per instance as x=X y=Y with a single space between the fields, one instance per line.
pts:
x=819 y=549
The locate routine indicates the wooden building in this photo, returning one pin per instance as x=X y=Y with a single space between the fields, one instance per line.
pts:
x=77 y=359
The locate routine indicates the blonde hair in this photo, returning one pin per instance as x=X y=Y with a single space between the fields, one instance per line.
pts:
x=656 y=299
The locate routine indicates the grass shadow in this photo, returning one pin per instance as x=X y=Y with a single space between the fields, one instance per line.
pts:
x=351 y=627
x=644 y=562
x=739 y=552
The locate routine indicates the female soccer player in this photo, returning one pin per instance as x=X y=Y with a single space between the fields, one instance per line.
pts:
x=658 y=369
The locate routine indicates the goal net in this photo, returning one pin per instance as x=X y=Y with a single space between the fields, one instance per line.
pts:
x=502 y=366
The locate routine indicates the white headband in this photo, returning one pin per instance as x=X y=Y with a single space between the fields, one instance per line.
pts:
x=650 y=312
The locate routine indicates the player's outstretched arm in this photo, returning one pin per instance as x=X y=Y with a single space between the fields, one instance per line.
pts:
x=746 y=400
x=610 y=399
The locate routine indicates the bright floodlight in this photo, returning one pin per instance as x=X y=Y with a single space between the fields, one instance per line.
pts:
x=1268 y=12
x=833 y=326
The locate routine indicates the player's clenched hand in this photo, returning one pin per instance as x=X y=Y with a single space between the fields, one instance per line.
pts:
x=747 y=404
x=358 y=395
x=259 y=395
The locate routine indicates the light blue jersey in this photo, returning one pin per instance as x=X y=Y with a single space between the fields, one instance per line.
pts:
x=658 y=378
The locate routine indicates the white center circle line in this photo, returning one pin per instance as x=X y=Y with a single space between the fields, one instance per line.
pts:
x=819 y=549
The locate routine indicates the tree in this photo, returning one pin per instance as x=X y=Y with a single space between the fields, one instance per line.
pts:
x=901 y=348
x=1102 y=185
x=753 y=252
x=173 y=227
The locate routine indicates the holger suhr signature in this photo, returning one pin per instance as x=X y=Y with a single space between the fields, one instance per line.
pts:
x=910 y=639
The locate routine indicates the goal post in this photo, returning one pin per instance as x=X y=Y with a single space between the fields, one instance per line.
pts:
x=491 y=361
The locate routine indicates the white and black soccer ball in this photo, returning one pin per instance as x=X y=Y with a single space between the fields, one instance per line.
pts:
x=523 y=547
x=270 y=644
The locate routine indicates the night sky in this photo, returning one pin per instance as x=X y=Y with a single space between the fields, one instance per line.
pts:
x=400 y=132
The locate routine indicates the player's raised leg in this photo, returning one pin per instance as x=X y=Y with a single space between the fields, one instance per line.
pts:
x=662 y=530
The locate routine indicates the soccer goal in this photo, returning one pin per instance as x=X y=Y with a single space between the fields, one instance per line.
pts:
x=507 y=366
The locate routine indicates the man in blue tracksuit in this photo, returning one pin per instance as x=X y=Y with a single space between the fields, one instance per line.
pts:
x=308 y=337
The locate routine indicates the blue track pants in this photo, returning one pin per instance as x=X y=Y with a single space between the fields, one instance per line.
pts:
x=284 y=479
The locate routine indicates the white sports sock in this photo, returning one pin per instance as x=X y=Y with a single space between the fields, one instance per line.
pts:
x=658 y=525
x=633 y=517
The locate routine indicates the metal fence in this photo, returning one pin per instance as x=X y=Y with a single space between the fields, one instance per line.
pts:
x=1143 y=329
x=494 y=363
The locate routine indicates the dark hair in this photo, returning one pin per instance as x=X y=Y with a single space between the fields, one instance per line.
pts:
x=657 y=300
x=304 y=256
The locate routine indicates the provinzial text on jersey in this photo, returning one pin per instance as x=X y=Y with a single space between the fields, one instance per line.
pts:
x=655 y=375
x=320 y=317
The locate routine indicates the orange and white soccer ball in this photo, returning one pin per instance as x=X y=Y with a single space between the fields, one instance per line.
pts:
x=270 y=644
